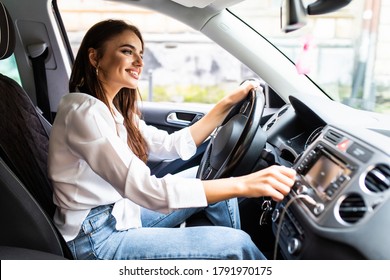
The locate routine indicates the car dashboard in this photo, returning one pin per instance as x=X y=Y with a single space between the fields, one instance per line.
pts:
x=338 y=207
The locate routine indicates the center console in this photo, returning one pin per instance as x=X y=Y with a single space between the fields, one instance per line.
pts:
x=321 y=174
x=324 y=170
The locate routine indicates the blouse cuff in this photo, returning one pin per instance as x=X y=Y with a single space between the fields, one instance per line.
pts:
x=185 y=192
x=187 y=148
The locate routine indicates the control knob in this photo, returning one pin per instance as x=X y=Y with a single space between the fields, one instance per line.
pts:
x=301 y=189
x=294 y=246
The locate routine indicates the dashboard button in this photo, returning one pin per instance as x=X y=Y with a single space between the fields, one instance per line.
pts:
x=341 y=179
x=330 y=192
x=359 y=152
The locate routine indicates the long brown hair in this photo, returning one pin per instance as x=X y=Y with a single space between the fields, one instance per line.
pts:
x=84 y=79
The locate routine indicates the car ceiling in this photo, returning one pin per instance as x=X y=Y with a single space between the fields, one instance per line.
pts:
x=191 y=12
x=221 y=4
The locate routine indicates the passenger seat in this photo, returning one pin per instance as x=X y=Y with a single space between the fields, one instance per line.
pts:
x=26 y=206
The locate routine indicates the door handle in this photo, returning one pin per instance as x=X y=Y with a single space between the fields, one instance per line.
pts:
x=183 y=118
x=173 y=119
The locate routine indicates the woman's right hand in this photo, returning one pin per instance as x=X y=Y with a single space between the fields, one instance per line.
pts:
x=274 y=181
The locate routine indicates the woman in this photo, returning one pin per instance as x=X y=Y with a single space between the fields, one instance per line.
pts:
x=102 y=185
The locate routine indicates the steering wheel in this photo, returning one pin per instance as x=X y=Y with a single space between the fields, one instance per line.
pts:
x=237 y=143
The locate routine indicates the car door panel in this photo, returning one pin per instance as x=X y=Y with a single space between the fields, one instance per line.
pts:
x=172 y=117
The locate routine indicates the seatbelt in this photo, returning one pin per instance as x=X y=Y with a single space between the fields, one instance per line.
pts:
x=38 y=54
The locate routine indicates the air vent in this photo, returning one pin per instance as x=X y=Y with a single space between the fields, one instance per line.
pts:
x=282 y=112
x=270 y=124
x=378 y=179
x=352 y=208
x=279 y=114
x=333 y=137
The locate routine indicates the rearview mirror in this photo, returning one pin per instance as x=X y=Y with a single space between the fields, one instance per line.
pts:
x=326 y=6
x=296 y=12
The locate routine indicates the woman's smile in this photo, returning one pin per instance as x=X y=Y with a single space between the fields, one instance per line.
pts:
x=133 y=73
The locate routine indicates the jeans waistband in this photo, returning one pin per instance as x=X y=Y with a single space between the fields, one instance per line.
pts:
x=99 y=209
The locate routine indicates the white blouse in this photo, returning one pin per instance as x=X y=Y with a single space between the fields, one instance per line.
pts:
x=90 y=164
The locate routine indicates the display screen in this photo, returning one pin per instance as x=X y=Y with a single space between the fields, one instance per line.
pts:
x=323 y=173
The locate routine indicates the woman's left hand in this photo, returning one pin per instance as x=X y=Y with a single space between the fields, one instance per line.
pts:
x=202 y=129
x=240 y=93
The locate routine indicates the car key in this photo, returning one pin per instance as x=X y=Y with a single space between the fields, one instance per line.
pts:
x=267 y=210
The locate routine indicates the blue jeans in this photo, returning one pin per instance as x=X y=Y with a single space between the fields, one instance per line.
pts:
x=157 y=239
x=224 y=213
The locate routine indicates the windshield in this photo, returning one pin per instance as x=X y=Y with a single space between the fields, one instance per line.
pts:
x=344 y=52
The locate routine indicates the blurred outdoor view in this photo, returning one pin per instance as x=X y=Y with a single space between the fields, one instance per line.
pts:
x=348 y=50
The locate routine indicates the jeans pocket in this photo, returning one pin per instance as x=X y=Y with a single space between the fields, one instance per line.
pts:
x=99 y=220
x=98 y=226
x=96 y=229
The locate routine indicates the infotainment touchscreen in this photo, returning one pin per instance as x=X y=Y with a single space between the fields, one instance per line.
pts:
x=324 y=172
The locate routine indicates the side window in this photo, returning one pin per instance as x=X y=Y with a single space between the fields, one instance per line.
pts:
x=181 y=64
x=9 y=68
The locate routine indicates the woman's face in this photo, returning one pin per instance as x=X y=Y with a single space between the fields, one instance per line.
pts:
x=121 y=64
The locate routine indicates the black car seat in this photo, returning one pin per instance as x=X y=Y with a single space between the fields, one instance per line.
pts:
x=26 y=205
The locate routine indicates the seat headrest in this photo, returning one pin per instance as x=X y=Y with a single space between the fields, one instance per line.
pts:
x=7 y=33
